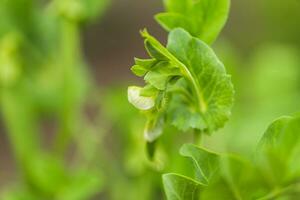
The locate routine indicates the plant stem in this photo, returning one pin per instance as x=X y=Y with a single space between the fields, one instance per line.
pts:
x=70 y=54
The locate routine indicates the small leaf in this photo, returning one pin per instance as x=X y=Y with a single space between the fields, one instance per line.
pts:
x=160 y=75
x=153 y=52
x=146 y=63
x=139 y=70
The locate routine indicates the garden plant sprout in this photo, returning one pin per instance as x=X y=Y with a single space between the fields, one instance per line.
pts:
x=190 y=132
x=187 y=86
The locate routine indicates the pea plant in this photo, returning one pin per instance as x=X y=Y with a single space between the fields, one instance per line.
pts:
x=187 y=87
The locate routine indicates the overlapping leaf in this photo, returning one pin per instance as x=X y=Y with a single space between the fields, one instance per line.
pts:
x=279 y=151
x=178 y=186
x=273 y=175
x=202 y=18
x=215 y=177
x=187 y=85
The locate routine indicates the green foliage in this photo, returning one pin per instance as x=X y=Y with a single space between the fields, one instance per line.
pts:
x=44 y=81
x=273 y=173
x=189 y=86
x=201 y=18
x=279 y=150
x=215 y=176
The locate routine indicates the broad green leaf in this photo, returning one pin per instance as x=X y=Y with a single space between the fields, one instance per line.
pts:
x=201 y=18
x=243 y=179
x=216 y=176
x=178 y=187
x=205 y=162
x=192 y=88
x=205 y=72
x=181 y=187
x=279 y=150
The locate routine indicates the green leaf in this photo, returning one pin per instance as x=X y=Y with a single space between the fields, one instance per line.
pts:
x=195 y=91
x=152 y=50
x=205 y=162
x=142 y=66
x=139 y=70
x=279 y=150
x=201 y=18
x=160 y=75
x=214 y=176
x=184 y=119
x=212 y=86
x=181 y=187
x=146 y=63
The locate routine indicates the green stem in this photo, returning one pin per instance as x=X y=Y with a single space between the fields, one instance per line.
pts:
x=197 y=89
x=70 y=55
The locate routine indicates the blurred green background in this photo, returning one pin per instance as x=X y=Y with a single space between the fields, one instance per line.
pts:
x=66 y=124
